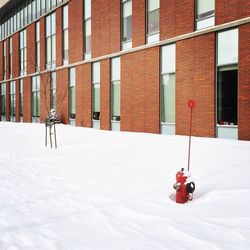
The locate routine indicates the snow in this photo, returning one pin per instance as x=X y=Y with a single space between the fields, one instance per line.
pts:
x=114 y=190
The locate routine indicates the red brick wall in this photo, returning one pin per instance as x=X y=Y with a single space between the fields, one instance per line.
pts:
x=62 y=95
x=1 y=60
x=176 y=18
x=195 y=79
x=105 y=95
x=44 y=96
x=17 y=101
x=83 y=95
x=15 y=55
x=231 y=10
x=31 y=48
x=59 y=55
x=7 y=59
x=140 y=89
x=27 y=99
x=105 y=25
x=138 y=22
x=75 y=31
x=244 y=83
x=7 y=101
x=42 y=44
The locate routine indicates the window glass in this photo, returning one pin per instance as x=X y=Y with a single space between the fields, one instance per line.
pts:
x=168 y=98
x=72 y=94
x=87 y=9
x=53 y=91
x=115 y=69
x=3 y=98
x=115 y=101
x=12 y=98
x=21 y=97
x=96 y=72
x=36 y=96
x=65 y=17
x=204 y=8
x=153 y=16
x=168 y=59
x=228 y=47
x=227 y=95
x=127 y=21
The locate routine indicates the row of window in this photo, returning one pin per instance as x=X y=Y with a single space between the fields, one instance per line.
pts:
x=205 y=10
x=227 y=85
x=24 y=13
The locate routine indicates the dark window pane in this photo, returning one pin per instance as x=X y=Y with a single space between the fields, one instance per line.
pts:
x=127 y=29
x=227 y=93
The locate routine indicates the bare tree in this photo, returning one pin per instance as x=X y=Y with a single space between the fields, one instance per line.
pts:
x=47 y=98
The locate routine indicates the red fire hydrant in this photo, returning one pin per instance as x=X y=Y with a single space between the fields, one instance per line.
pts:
x=184 y=186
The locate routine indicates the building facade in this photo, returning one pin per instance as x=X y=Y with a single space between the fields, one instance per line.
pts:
x=128 y=65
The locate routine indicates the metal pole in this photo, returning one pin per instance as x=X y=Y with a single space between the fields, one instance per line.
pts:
x=189 y=146
x=55 y=135
x=46 y=132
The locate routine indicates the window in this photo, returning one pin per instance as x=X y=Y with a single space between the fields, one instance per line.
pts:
x=227 y=77
x=204 y=13
x=12 y=100
x=65 y=35
x=48 y=5
x=3 y=101
x=37 y=46
x=38 y=8
x=126 y=24
x=42 y=7
x=23 y=52
x=4 y=60
x=10 y=57
x=87 y=28
x=34 y=10
x=72 y=95
x=96 y=91
x=168 y=89
x=53 y=91
x=153 y=21
x=51 y=41
x=115 y=89
x=21 y=98
x=35 y=97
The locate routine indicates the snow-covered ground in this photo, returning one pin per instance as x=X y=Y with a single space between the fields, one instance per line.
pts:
x=112 y=190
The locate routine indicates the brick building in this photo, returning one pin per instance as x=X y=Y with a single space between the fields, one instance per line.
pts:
x=128 y=65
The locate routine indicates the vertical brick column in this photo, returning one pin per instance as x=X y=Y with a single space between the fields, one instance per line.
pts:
x=105 y=94
x=42 y=44
x=62 y=95
x=185 y=16
x=15 y=55
x=31 y=48
x=79 y=95
x=76 y=31
x=44 y=95
x=87 y=96
x=226 y=11
x=140 y=91
x=27 y=99
x=59 y=41
x=83 y=95
x=167 y=19
x=7 y=101
x=1 y=60
x=138 y=22
x=195 y=79
x=105 y=25
x=244 y=83
x=7 y=58
x=17 y=85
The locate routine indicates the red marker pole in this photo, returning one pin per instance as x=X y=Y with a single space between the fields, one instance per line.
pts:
x=191 y=105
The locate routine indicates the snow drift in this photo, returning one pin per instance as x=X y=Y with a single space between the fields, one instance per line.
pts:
x=113 y=190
